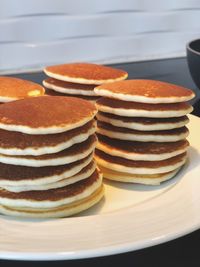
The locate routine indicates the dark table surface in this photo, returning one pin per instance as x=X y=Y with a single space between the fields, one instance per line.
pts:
x=184 y=251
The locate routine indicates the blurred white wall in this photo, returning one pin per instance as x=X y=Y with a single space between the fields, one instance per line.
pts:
x=35 y=33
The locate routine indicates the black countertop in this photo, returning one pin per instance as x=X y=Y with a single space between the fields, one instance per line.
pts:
x=180 y=252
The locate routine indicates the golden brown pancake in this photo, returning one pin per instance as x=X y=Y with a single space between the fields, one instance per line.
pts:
x=52 y=194
x=69 y=88
x=68 y=85
x=54 y=93
x=142 y=147
x=138 y=163
x=58 y=212
x=133 y=150
x=137 y=109
x=146 y=91
x=114 y=129
x=119 y=104
x=45 y=115
x=14 y=88
x=9 y=139
x=143 y=120
x=22 y=173
x=142 y=123
x=74 y=153
x=149 y=179
x=84 y=173
x=85 y=73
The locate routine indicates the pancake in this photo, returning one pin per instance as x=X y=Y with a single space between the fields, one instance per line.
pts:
x=69 y=88
x=16 y=143
x=148 y=179
x=14 y=88
x=134 y=109
x=139 y=167
x=46 y=115
x=145 y=91
x=62 y=211
x=83 y=174
x=85 y=73
x=13 y=175
x=52 y=198
x=142 y=136
x=150 y=151
x=92 y=99
x=69 y=155
x=143 y=124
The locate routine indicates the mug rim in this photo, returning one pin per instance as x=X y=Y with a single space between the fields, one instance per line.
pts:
x=191 y=49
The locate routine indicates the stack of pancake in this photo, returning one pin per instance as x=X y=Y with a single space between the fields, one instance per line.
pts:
x=13 y=89
x=46 y=161
x=141 y=130
x=79 y=79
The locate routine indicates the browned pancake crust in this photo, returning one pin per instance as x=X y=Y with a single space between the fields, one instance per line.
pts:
x=142 y=147
x=18 y=173
x=18 y=88
x=71 y=151
x=53 y=194
x=87 y=71
x=9 y=139
x=143 y=120
x=114 y=103
x=68 y=85
x=55 y=93
x=147 y=88
x=46 y=111
x=139 y=163
x=109 y=127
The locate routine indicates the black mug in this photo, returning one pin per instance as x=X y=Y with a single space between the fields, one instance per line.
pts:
x=193 y=59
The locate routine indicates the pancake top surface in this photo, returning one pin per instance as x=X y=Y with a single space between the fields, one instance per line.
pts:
x=148 y=91
x=46 y=114
x=13 y=88
x=87 y=73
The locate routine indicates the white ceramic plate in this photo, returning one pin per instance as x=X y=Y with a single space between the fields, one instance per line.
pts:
x=129 y=218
